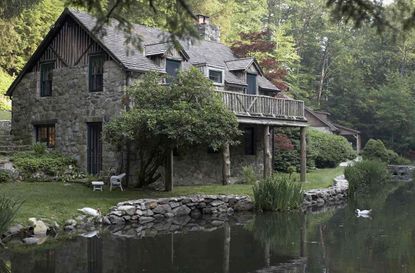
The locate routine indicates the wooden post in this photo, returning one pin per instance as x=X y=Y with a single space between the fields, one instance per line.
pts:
x=226 y=168
x=267 y=153
x=168 y=172
x=303 y=154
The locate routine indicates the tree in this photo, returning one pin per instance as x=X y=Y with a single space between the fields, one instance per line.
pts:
x=180 y=115
x=5 y=81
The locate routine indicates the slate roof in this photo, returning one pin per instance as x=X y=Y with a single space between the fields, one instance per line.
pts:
x=239 y=64
x=154 y=41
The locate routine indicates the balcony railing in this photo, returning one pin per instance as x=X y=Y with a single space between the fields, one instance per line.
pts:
x=263 y=106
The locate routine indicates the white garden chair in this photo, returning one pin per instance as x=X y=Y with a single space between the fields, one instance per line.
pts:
x=115 y=181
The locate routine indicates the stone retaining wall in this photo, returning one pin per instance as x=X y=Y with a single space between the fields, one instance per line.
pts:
x=149 y=210
x=335 y=194
x=153 y=210
x=402 y=172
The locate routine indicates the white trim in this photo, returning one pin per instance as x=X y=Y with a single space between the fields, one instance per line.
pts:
x=209 y=68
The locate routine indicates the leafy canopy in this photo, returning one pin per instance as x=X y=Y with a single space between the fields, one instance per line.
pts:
x=186 y=112
x=162 y=117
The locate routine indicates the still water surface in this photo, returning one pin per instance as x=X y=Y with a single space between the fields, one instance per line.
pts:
x=331 y=241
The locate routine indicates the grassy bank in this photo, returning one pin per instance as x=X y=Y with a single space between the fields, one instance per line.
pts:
x=59 y=202
x=5 y=115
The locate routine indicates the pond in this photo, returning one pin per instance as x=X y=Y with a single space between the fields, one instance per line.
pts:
x=334 y=240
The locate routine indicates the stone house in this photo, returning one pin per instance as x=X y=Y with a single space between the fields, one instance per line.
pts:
x=75 y=82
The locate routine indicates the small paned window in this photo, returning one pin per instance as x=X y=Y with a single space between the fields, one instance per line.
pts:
x=46 y=78
x=46 y=134
x=96 y=73
x=172 y=69
x=249 y=139
x=216 y=76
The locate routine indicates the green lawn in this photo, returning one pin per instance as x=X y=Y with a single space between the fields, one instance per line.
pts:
x=59 y=202
x=4 y=115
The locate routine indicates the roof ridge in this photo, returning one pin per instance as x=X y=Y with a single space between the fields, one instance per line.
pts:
x=239 y=59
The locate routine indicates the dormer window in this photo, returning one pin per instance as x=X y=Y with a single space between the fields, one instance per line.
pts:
x=251 y=81
x=216 y=76
x=172 y=69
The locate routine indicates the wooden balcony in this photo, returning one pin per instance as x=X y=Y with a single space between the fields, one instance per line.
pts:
x=260 y=109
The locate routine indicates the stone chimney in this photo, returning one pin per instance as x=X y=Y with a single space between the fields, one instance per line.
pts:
x=207 y=31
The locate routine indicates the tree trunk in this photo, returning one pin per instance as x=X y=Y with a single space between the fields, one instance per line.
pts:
x=323 y=74
x=168 y=172
x=226 y=168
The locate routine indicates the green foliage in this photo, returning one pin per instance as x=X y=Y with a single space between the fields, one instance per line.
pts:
x=49 y=164
x=279 y=192
x=5 y=81
x=179 y=115
x=376 y=150
x=8 y=209
x=287 y=150
x=39 y=148
x=366 y=176
x=329 y=149
x=249 y=175
x=5 y=176
x=324 y=150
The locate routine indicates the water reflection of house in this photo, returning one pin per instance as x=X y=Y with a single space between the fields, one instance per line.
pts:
x=321 y=121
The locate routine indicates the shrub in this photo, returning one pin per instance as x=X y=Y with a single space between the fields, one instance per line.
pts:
x=249 y=175
x=5 y=176
x=328 y=149
x=366 y=176
x=279 y=192
x=39 y=148
x=49 y=163
x=287 y=150
x=8 y=210
x=375 y=150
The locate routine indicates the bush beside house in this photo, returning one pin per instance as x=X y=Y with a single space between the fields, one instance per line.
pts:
x=43 y=165
x=324 y=150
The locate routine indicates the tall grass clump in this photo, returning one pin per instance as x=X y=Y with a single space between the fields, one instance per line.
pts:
x=8 y=210
x=366 y=176
x=249 y=176
x=279 y=192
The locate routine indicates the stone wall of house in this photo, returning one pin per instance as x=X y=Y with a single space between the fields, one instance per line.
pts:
x=201 y=166
x=70 y=108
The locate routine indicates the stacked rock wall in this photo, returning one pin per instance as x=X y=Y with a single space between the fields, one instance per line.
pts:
x=148 y=210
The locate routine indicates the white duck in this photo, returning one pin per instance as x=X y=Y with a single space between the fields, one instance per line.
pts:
x=363 y=213
x=90 y=212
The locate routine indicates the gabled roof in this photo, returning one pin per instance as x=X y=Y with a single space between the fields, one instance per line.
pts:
x=331 y=126
x=239 y=64
x=162 y=49
x=154 y=41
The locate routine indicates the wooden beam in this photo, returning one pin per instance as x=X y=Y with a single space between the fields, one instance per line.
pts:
x=267 y=153
x=226 y=168
x=168 y=172
x=303 y=154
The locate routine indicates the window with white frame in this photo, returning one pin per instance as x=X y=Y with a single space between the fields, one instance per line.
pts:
x=216 y=75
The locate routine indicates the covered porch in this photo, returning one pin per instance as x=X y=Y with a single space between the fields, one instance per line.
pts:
x=258 y=116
